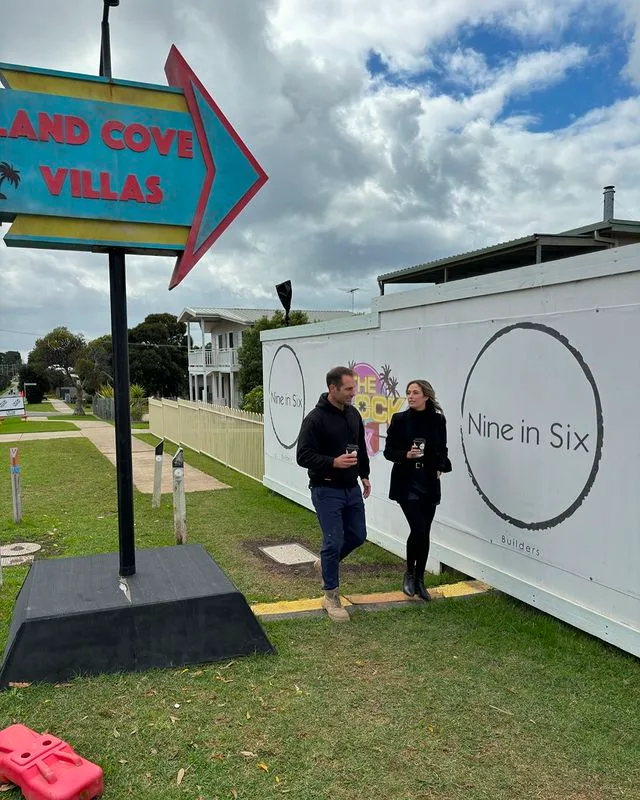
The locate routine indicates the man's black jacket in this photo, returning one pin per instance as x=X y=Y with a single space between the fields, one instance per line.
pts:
x=325 y=433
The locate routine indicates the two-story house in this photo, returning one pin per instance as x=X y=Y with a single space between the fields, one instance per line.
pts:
x=214 y=336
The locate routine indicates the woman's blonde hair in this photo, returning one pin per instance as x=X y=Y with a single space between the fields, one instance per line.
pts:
x=428 y=391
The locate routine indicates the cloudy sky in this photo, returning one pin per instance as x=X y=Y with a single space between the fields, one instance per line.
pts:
x=392 y=134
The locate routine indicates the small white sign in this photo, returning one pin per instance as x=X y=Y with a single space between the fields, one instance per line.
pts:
x=12 y=407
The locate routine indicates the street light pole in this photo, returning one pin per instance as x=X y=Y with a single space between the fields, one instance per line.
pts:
x=105 y=40
x=120 y=345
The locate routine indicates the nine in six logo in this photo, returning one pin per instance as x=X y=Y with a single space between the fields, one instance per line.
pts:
x=532 y=426
x=286 y=398
x=377 y=399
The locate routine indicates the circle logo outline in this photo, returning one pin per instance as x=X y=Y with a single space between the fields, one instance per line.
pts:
x=553 y=521
x=304 y=397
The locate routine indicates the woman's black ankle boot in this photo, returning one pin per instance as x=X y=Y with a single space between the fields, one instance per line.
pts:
x=421 y=589
x=409 y=584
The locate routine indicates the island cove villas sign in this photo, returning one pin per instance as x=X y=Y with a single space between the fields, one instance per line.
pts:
x=88 y=163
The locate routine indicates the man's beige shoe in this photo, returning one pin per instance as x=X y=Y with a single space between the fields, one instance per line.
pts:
x=331 y=604
x=317 y=567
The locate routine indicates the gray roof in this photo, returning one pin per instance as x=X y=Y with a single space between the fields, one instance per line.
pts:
x=248 y=316
x=517 y=253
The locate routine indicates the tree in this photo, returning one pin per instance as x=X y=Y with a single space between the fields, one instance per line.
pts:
x=10 y=363
x=11 y=358
x=59 y=351
x=31 y=374
x=250 y=354
x=94 y=365
x=158 y=355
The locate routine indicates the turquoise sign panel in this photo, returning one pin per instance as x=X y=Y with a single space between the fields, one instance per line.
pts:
x=95 y=160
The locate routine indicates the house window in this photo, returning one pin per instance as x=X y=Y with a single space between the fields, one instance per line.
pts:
x=221 y=341
x=231 y=343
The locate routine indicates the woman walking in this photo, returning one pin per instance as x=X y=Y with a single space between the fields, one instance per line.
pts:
x=417 y=445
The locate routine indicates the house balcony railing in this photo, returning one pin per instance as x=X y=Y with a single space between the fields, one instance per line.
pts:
x=214 y=359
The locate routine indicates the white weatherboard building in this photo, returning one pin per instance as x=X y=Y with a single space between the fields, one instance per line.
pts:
x=216 y=334
x=538 y=371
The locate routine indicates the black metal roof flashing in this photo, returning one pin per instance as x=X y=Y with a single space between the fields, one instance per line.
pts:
x=534 y=249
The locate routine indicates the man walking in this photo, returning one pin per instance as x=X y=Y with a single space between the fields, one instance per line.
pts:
x=331 y=446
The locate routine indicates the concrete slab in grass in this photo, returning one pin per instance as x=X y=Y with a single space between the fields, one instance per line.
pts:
x=289 y=554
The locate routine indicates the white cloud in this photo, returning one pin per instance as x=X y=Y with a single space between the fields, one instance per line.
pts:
x=467 y=67
x=366 y=175
x=631 y=11
x=404 y=33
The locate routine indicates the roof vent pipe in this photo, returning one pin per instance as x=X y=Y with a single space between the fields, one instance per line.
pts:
x=609 y=191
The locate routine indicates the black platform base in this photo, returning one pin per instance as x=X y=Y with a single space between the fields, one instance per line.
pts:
x=73 y=616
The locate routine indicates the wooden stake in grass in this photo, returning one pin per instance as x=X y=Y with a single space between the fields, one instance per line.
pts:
x=14 y=460
x=157 y=476
x=179 y=504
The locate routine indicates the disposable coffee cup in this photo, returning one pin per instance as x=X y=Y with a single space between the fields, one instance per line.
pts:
x=352 y=448
x=420 y=445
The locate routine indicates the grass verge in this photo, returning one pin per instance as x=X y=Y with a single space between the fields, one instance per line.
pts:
x=482 y=699
x=135 y=425
x=39 y=407
x=15 y=425
x=87 y=416
x=471 y=700
x=72 y=510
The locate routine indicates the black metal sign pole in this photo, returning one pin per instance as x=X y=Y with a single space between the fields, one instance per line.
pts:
x=120 y=345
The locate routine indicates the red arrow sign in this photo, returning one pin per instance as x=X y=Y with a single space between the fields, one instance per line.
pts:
x=233 y=174
x=93 y=163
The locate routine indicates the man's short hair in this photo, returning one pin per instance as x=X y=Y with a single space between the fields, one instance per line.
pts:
x=335 y=376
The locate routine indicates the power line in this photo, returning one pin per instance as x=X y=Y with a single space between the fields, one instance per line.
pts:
x=131 y=344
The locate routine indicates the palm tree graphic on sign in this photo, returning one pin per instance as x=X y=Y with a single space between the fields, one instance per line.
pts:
x=9 y=174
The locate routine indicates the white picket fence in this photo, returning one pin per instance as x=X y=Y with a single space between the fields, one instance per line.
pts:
x=233 y=437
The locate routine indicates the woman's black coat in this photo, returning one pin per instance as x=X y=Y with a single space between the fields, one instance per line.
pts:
x=436 y=459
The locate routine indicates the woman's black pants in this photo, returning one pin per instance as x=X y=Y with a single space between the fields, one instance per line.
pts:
x=419 y=514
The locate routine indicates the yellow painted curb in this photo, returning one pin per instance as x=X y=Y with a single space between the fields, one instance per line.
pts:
x=291 y=606
x=462 y=589
x=381 y=597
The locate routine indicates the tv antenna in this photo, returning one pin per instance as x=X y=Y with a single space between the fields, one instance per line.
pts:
x=352 y=292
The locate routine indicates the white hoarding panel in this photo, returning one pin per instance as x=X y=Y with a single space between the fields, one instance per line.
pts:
x=539 y=386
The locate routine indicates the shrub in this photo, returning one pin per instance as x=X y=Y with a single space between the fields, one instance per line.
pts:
x=254 y=400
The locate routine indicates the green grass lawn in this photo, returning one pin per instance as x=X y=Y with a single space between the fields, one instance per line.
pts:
x=86 y=416
x=45 y=406
x=482 y=699
x=225 y=520
x=135 y=426
x=16 y=425
x=470 y=700
x=78 y=517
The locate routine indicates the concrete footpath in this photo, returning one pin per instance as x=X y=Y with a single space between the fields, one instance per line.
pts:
x=102 y=435
x=59 y=406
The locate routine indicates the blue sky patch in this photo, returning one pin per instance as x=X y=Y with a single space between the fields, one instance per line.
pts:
x=597 y=82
